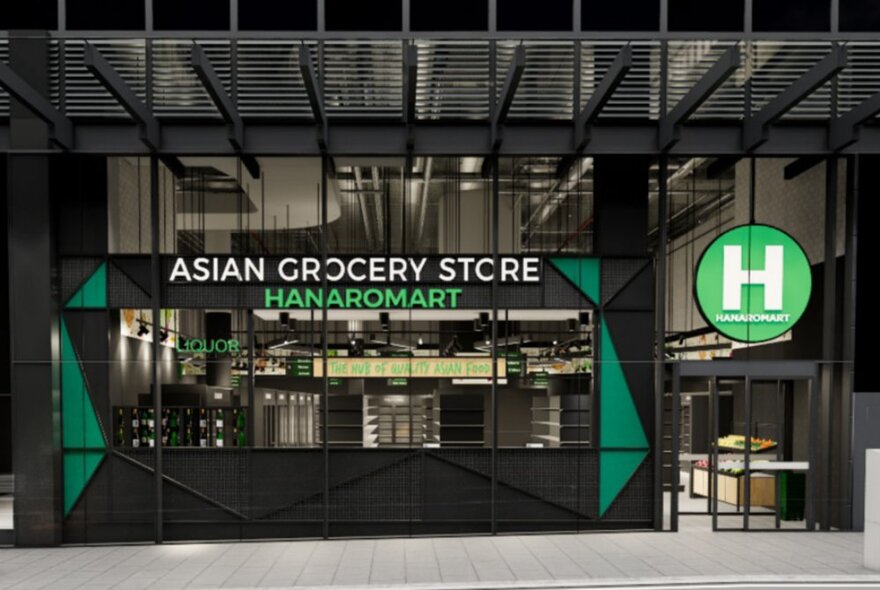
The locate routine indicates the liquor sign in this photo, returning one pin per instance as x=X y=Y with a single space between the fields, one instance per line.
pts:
x=753 y=283
x=418 y=367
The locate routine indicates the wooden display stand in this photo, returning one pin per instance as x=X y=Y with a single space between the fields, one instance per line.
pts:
x=731 y=488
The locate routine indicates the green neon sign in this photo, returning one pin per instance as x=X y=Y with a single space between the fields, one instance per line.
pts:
x=753 y=283
x=355 y=298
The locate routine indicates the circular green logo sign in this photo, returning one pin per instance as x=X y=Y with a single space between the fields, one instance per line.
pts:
x=753 y=283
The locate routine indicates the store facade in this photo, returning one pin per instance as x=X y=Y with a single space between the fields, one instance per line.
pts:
x=373 y=277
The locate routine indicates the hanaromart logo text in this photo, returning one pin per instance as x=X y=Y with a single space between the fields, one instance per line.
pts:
x=753 y=283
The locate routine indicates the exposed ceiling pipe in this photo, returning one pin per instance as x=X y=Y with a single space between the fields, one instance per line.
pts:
x=380 y=223
x=426 y=184
x=358 y=183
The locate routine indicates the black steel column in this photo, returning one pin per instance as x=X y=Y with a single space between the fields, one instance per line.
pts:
x=849 y=340
x=156 y=288
x=829 y=310
x=251 y=400
x=494 y=386
x=325 y=384
x=218 y=326
x=660 y=353
x=34 y=311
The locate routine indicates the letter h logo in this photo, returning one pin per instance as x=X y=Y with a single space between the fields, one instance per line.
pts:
x=735 y=278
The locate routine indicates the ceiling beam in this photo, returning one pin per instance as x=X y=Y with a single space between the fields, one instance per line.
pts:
x=717 y=75
x=508 y=92
x=844 y=130
x=39 y=105
x=609 y=83
x=98 y=65
x=801 y=165
x=313 y=90
x=721 y=165
x=755 y=127
x=211 y=81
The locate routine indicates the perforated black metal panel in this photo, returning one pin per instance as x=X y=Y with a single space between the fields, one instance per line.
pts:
x=74 y=272
x=564 y=477
x=636 y=501
x=617 y=272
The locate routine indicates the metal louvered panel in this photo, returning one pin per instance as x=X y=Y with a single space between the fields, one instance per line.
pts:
x=688 y=63
x=861 y=78
x=776 y=65
x=363 y=78
x=84 y=95
x=269 y=81
x=453 y=80
x=177 y=92
x=4 y=98
x=638 y=96
x=546 y=90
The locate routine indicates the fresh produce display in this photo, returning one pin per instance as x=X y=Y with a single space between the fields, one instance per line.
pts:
x=704 y=464
x=737 y=442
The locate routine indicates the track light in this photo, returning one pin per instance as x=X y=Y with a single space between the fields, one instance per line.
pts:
x=384 y=320
x=484 y=318
x=572 y=325
x=421 y=342
x=584 y=318
x=284 y=318
x=478 y=326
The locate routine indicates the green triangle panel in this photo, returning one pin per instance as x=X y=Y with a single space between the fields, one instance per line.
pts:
x=615 y=470
x=619 y=423
x=80 y=427
x=583 y=272
x=93 y=293
x=79 y=467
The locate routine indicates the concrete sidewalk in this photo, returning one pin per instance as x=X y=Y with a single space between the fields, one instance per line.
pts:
x=694 y=556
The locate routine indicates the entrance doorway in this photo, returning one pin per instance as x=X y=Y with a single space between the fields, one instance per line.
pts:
x=743 y=445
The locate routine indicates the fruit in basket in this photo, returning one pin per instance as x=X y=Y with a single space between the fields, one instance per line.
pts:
x=738 y=442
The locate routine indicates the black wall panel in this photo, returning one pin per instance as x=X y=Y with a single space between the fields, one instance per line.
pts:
x=620 y=15
x=791 y=15
x=191 y=15
x=860 y=15
x=621 y=205
x=449 y=15
x=632 y=334
x=363 y=15
x=867 y=378
x=278 y=15
x=35 y=14
x=79 y=190
x=106 y=15
x=699 y=15
x=526 y=15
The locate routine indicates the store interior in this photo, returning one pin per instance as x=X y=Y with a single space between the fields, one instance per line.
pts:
x=543 y=400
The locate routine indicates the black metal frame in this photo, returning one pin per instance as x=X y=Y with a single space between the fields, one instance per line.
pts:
x=750 y=372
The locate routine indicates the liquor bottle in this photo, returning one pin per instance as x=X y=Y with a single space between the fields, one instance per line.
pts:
x=203 y=428
x=120 y=430
x=174 y=439
x=218 y=424
x=188 y=427
x=135 y=421
x=240 y=424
